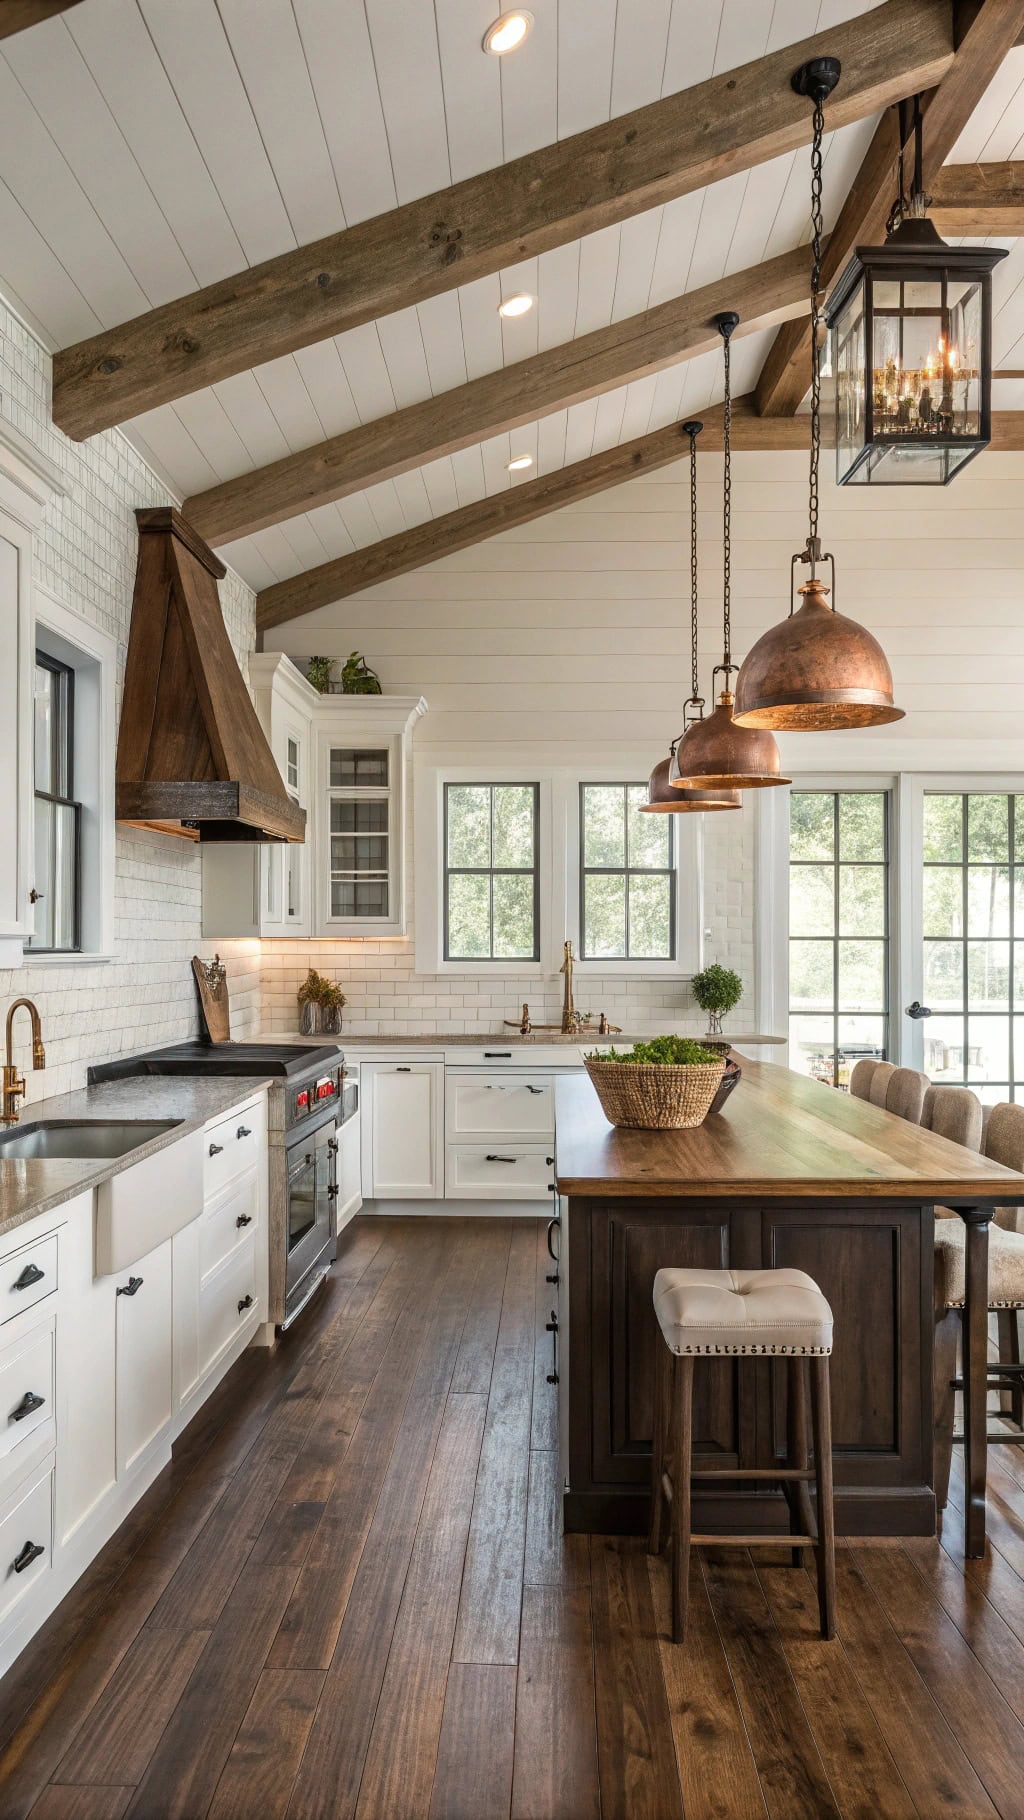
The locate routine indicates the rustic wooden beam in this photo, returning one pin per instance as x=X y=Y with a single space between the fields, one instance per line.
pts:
x=18 y=15
x=978 y=199
x=517 y=505
x=992 y=32
x=517 y=394
x=727 y=124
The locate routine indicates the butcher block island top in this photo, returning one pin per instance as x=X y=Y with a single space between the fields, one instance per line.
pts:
x=779 y=1132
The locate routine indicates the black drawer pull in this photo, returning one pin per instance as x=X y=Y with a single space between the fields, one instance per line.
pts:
x=403 y=1069
x=497 y=1055
x=530 y=1089
x=551 y=1327
x=246 y=1302
x=553 y=1225
x=29 y=1402
x=243 y=1131
x=215 y=1149
x=30 y=1553
x=132 y=1287
x=502 y=1159
x=244 y=1219
x=31 y=1274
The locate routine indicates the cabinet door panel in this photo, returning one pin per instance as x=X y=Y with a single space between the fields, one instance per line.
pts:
x=406 y=1130
x=143 y=1392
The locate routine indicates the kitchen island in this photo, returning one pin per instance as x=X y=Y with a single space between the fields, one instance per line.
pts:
x=790 y=1173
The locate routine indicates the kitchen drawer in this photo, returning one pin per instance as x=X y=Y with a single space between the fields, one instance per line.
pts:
x=532 y=1056
x=226 y=1221
x=26 y=1524
x=233 y=1146
x=26 y=1400
x=478 y=1106
x=497 y=1172
x=220 y=1317
x=26 y=1276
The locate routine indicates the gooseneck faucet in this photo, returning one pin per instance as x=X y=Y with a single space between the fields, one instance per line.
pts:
x=14 y=1084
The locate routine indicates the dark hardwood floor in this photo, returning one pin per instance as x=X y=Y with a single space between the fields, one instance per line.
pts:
x=349 y=1596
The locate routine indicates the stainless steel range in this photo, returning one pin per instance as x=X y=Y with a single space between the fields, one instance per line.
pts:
x=310 y=1098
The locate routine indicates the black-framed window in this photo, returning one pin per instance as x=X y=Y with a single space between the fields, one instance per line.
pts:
x=491 y=874
x=56 y=892
x=973 y=928
x=627 y=876
x=839 y=894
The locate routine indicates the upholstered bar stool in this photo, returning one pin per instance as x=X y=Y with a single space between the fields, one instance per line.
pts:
x=878 y=1086
x=860 y=1077
x=904 y=1094
x=778 y=1314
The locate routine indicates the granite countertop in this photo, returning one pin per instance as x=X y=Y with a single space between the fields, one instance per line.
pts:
x=33 y=1185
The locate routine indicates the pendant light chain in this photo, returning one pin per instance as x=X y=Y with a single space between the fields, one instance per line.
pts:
x=727 y=508
x=817 y=230
x=693 y=430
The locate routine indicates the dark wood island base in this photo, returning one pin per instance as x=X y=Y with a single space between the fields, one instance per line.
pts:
x=790 y=1173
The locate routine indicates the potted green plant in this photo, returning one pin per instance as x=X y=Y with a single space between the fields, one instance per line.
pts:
x=717 y=989
x=668 y=1084
x=318 y=672
x=320 y=1005
x=357 y=678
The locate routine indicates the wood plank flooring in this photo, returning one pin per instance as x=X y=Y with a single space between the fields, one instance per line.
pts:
x=349 y=1596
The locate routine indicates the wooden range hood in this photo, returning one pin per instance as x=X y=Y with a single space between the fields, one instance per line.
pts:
x=192 y=758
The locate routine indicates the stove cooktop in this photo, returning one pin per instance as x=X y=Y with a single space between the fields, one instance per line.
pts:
x=284 y=1059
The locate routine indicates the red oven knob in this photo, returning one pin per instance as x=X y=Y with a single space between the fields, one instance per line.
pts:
x=302 y=1099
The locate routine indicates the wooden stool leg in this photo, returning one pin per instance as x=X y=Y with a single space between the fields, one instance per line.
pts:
x=1011 y=1402
x=682 y=1429
x=947 y=1333
x=801 y=1520
x=662 y=1371
x=821 y=1416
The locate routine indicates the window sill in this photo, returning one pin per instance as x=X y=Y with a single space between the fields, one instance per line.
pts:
x=42 y=959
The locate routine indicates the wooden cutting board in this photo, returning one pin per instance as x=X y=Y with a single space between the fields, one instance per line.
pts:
x=212 y=985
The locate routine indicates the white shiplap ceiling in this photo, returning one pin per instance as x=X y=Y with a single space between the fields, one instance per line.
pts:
x=150 y=147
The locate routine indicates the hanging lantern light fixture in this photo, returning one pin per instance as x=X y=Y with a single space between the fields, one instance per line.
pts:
x=717 y=754
x=662 y=797
x=816 y=671
x=911 y=346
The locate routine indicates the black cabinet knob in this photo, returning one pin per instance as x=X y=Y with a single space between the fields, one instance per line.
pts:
x=243 y=1131
x=132 y=1287
x=215 y=1149
x=31 y=1274
x=30 y=1553
x=28 y=1403
x=246 y=1302
x=244 y=1219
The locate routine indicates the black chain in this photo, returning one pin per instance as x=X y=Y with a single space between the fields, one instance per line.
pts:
x=727 y=515
x=817 y=229
x=692 y=432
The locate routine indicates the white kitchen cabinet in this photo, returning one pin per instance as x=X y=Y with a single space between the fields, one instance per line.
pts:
x=403 y=1130
x=144 y=1353
x=86 y=1371
x=517 y=1106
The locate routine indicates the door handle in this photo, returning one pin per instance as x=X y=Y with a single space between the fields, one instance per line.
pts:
x=917 y=1010
x=215 y=1149
x=31 y=1274
x=29 y=1402
x=551 y=1327
x=552 y=1253
x=30 y=1553
x=243 y=1131
x=244 y=1219
x=246 y=1302
x=132 y=1287
x=502 y=1159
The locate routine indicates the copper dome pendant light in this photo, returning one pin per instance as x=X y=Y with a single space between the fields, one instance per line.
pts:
x=816 y=671
x=662 y=797
x=716 y=754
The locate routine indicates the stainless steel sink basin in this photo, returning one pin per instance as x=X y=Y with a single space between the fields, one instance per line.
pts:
x=95 y=1138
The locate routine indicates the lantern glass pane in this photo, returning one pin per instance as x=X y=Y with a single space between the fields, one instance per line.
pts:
x=848 y=362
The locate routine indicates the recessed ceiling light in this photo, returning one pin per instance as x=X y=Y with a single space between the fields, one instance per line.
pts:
x=517 y=462
x=516 y=306
x=507 y=32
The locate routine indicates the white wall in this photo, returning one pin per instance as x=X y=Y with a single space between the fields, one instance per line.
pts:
x=144 y=994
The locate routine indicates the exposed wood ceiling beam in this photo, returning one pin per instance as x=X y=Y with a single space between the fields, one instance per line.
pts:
x=517 y=505
x=978 y=199
x=728 y=124
x=500 y=401
x=993 y=31
x=18 y=15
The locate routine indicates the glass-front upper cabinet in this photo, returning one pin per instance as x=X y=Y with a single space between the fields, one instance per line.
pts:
x=360 y=857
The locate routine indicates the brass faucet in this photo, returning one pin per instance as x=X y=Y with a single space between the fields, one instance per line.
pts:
x=14 y=1083
x=570 y=1018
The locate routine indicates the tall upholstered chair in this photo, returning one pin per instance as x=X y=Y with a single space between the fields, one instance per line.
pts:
x=904 y=1094
x=1004 y=1143
x=879 y=1084
x=953 y=1113
x=860 y=1077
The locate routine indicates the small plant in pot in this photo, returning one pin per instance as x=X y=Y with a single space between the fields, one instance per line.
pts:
x=320 y=1005
x=716 y=990
x=668 y=1084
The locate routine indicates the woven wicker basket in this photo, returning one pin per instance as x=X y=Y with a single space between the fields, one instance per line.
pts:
x=655 y=1098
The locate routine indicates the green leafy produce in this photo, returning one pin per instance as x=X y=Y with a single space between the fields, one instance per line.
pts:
x=663 y=1051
